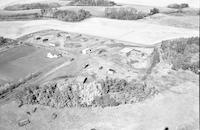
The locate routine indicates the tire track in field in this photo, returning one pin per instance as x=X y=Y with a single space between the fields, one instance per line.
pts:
x=54 y=70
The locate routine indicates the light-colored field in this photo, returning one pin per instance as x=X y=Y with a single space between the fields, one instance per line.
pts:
x=192 y=3
x=131 y=31
x=12 y=2
x=187 y=21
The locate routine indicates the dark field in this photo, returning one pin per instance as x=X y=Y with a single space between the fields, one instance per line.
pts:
x=18 y=62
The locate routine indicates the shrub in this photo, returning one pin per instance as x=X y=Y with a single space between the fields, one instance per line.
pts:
x=47 y=95
x=31 y=6
x=124 y=13
x=92 y=3
x=182 y=53
x=113 y=85
x=82 y=14
x=125 y=92
x=184 y=5
x=6 y=41
x=2 y=41
x=154 y=11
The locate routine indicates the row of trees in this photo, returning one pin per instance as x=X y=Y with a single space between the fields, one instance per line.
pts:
x=66 y=15
x=181 y=53
x=92 y=3
x=128 y=13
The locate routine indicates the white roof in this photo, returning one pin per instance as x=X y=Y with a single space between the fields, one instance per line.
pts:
x=49 y=55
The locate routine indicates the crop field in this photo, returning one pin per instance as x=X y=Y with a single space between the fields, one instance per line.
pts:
x=121 y=30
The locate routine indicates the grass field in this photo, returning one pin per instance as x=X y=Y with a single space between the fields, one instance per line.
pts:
x=18 y=62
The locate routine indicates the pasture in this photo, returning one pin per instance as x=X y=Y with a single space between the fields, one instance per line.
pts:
x=20 y=61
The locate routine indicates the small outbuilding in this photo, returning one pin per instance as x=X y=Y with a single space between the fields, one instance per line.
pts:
x=86 y=51
x=51 y=44
x=50 y=55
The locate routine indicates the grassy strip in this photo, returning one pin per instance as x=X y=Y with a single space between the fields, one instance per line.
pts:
x=31 y=6
x=20 y=16
x=8 y=87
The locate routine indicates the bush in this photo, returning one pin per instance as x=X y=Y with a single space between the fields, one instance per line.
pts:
x=124 y=13
x=48 y=95
x=182 y=53
x=6 y=41
x=92 y=3
x=125 y=92
x=184 y=5
x=154 y=11
x=2 y=41
x=31 y=6
x=178 y=6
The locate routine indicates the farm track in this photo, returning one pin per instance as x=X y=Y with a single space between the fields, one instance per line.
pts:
x=52 y=71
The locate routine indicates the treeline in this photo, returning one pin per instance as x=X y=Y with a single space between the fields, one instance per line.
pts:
x=182 y=53
x=92 y=3
x=66 y=15
x=128 y=13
